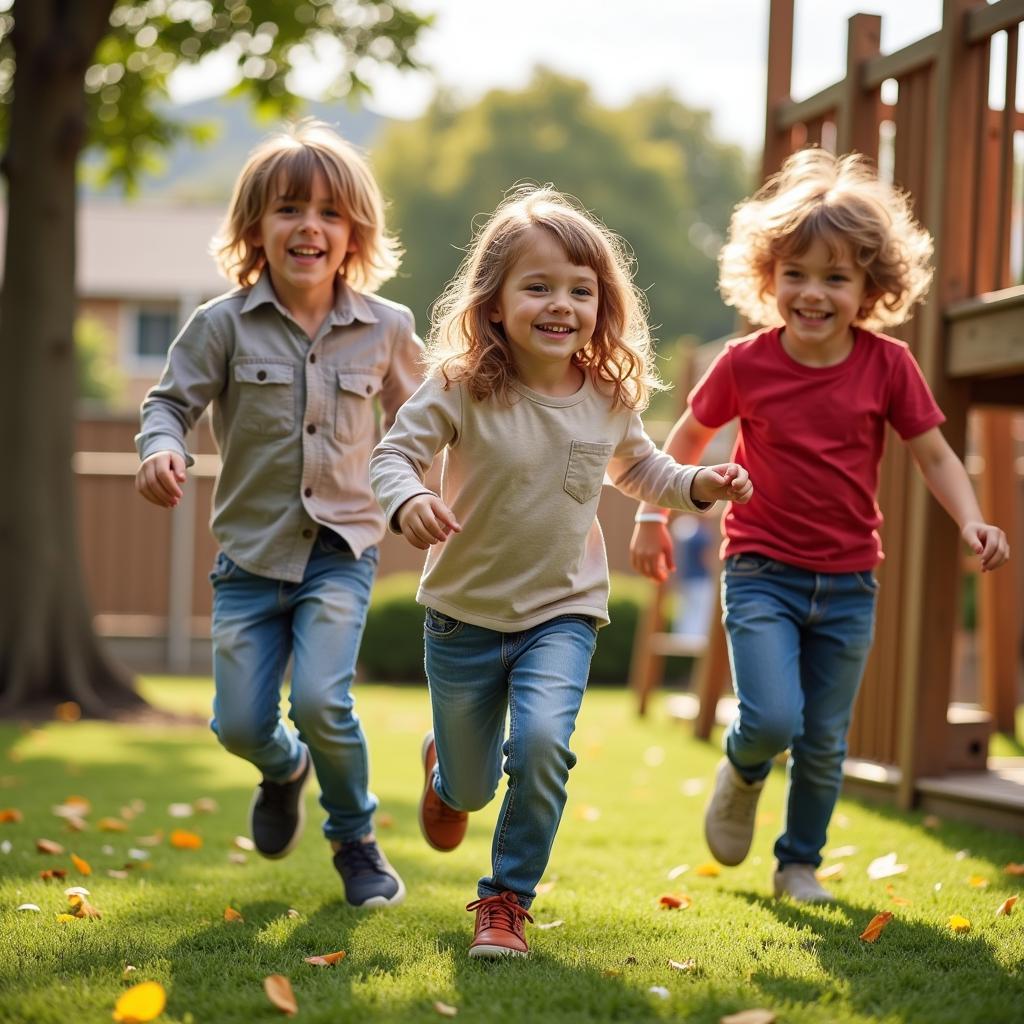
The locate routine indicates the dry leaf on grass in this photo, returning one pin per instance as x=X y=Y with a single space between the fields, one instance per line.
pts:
x=755 y=1016
x=182 y=840
x=1006 y=907
x=111 y=825
x=73 y=823
x=243 y=843
x=978 y=882
x=50 y=873
x=677 y=871
x=66 y=918
x=117 y=873
x=683 y=965
x=545 y=887
x=142 y=1002
x=230 y=914
x=81 y=865
x=833 y=871
x=326 y=959
x=444 y=1010
x=885 y=867
x=709 y=869
x=128 y=971
x=550 y=924
x=154 y=840
x=180 y=810
x=10 y=815
x=81 y=804
x=959 y=925
x=931 y=821
x=675 y=901
x=1014 y=869
x=205 y=805
x=838 y=852
x=875 y=926
x=48 y=846
x=28 y=906
x=385 y=820
x=279 y=992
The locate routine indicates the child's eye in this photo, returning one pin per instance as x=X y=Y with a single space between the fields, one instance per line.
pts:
x=287 y=208
x=838 y=277
x=536 y=288
x=582 y=291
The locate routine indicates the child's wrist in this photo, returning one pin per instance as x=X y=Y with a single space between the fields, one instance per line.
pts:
x=651 y=516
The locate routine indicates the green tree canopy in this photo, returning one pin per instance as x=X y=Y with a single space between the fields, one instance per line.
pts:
x=652 y=171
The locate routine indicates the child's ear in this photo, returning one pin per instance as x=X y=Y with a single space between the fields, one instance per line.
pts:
x=494 y=316
x=254 y=236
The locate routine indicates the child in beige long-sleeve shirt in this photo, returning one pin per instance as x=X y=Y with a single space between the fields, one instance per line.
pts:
x=541 y=360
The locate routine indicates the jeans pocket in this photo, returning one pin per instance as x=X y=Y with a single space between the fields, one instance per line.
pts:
x=223 y=569
x=439 y=625
x=866 y=581
x=747 y=565
x=584 y=472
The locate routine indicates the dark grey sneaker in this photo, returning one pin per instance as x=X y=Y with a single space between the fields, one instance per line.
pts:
x=277 y=814
x=369 y=880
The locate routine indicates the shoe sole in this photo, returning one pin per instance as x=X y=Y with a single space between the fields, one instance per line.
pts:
x=300 y=826
x=495 y=952
x=427 y=740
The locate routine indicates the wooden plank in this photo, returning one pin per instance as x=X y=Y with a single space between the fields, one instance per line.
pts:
x=986 y=335
x=820 y=105
x=857 y=121
x=712 y=673
x=1004 y=197
x=779 y=84
x=984 y=21
x=901 y=63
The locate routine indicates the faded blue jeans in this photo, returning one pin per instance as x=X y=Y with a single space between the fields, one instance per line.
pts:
x=798 y=643
x=258 y=623
x=538 y=676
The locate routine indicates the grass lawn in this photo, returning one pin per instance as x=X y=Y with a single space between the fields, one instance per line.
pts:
x=634 y=815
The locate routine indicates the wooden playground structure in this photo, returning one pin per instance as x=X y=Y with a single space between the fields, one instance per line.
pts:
x=943 y=117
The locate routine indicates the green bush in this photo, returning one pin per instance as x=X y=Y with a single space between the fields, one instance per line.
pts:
x=392 y=648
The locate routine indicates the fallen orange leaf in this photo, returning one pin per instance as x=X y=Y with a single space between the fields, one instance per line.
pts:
x=140 y=1003
x=82 y=865
x=327 y=959
x=1006 y=907
x=384 y=821
x=67 y=711
x=48 y=846
x=959 y=924
x=112 y=825
x=671 y=901
x=901 y=901
x=708 y=870
x=75 y=824
x=82 y=802
x=279 y=992
x=756 y=1016
x=875 y=926
x=230 y=914
x=1014 y=869
x=10 y=814
x=53 y=873
x=81 y=907
x=183 y=840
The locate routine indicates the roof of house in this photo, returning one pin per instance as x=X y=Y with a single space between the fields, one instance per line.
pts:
x=145 y=250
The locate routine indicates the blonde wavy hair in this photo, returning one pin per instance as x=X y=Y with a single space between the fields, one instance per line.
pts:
x=464 y=346
x=841 y=201
x=286 y=163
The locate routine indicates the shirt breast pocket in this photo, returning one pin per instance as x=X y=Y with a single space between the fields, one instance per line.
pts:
x=266 y=397
x=585 y=470
x=354 y=413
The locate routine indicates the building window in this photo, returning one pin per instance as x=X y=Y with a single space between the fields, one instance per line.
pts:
x=155 y=330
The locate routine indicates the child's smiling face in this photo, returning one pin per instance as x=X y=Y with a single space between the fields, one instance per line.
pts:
x=548 y=307
x=820 y=293
x=305 y=241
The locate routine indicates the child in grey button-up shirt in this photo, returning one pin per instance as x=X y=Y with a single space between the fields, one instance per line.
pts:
x=292 y=363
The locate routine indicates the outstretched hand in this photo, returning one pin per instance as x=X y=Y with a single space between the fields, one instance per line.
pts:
x=426 y=520
x=726 y=482
x=988 y=542
x=160 y=477
x=650 y=551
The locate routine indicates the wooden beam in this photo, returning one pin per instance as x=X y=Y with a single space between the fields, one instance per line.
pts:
x=780 y=82
x=985 y=21
x=857 y=121
x=901 y=63
x=986 y=335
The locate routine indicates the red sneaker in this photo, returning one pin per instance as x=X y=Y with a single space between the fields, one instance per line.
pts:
x=442 y=826
x=499 y=926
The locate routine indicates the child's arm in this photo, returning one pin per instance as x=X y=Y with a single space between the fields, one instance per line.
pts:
x=948 y=481
x=650 y=549
x=160 y=477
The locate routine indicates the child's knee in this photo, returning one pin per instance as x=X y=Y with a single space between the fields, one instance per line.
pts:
x=240 y=736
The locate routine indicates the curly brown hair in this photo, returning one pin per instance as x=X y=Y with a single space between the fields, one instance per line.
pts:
x=293 y=157
x=465 y=346
x=841 y=201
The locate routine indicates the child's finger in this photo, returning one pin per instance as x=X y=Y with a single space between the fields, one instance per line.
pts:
x=446 y=516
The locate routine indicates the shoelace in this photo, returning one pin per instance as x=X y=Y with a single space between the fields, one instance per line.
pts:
x=501 y=911
x=360 y=857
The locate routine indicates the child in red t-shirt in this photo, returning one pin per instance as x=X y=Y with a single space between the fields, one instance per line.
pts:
x=832 y=252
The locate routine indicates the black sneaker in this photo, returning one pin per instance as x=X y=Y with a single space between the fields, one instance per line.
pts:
x=369 y=880
x=277 y=814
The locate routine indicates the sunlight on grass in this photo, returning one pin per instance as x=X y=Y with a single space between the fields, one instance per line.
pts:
x=634 y=815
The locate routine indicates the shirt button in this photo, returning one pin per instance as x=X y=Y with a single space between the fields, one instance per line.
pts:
x=369 y=389
x=311 y=428
x=312 y=357
x=307 y=534
x=308 y=492
x=261 y=375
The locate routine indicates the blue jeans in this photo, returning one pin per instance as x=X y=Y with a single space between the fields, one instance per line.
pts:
x=258 y=622
x=798 y=642
x=539 y=676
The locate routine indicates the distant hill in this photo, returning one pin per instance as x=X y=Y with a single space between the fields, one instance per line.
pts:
x=206 y=173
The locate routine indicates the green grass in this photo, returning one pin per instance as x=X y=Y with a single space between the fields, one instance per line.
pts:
x=634 y=813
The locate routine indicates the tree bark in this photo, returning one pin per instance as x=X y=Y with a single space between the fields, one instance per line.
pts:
x=48 y=650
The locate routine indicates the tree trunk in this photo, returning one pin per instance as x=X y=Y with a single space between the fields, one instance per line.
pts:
x=48 y=651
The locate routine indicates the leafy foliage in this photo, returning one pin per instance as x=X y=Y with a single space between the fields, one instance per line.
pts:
x=652 y=171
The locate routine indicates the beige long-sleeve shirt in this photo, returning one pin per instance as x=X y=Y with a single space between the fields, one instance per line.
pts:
x=523 y=480
x=294 y=418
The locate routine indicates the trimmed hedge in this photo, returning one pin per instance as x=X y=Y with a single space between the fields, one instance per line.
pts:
x=392 y=648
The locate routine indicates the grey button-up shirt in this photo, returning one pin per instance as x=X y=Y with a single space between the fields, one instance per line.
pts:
x=295 y=420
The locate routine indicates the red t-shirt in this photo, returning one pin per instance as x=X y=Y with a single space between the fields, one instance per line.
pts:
x=812 y=440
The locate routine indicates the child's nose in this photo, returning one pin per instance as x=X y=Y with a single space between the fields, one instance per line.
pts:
x=559 y=302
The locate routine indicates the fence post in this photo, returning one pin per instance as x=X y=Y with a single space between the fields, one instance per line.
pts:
x=857 y=124
x=780 y=81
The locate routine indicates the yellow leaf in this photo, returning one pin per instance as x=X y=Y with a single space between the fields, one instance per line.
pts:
x=48 y=846
x=708 y=870
x=230 y=914
x=959 y=924
x=875 y=926
x=182 y=840
x=1006 y=907
x=832 y=871
x=444 y=1010
x=112 y=825
x=684 y=965
x=326 y=959
x=82 y=865
x=142 y=1002
x=279 y=992
x=66 y=918
x=756 y=1016
x=978 y=882
x=81 y=907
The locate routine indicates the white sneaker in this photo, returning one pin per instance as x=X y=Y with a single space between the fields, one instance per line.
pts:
x=729 y=817
x=798 y=882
